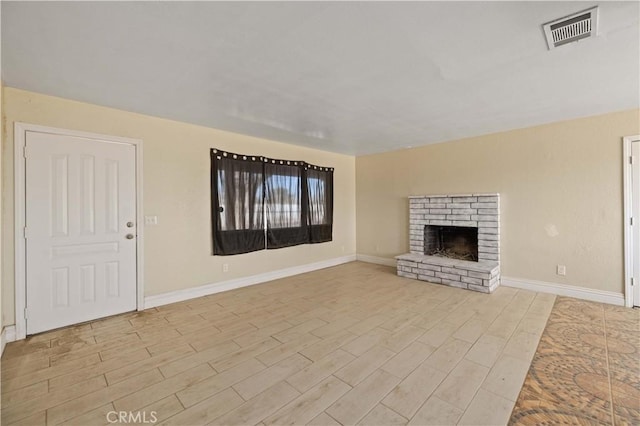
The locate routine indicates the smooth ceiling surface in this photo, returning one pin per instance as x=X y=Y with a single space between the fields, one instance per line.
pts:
x=354 y=77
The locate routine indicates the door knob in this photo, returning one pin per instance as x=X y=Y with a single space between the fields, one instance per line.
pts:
x=129 y=224
x=129 y=237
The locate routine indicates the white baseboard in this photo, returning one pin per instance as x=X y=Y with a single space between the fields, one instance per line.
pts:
x=8 y=335
x=602 y=296
x=375 y=259
x=207 y=289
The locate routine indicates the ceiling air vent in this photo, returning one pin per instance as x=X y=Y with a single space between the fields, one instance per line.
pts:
x=572 y=28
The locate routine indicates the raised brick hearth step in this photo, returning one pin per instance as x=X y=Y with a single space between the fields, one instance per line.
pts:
x=483 y=276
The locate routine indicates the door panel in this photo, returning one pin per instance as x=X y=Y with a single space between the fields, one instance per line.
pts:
x=635 y=211
x=80 y=196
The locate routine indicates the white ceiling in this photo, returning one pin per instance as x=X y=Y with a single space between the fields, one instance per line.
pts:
x=354 y=77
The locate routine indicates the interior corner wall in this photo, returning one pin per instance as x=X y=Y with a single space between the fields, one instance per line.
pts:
x=177 y=251
x=560 y=187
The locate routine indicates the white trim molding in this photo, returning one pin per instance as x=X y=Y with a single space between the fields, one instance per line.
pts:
x=601 y=296
x=207 y=289
x=377 y=260
x=627 y=182
x=20 y=139
x=585 y=293
x=8 y=335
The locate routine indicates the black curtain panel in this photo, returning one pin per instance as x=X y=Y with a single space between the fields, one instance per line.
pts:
x=285 y=196
x=237 y=184
x=261 y=203
x=319 y=203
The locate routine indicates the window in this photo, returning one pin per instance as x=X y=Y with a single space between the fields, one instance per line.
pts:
x=286 y=202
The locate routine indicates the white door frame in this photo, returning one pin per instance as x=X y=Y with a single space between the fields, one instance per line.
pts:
x=19 y=164
x=628 y=212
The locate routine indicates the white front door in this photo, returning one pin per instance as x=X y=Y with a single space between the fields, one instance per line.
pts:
x=635 y=212
x=80 y=229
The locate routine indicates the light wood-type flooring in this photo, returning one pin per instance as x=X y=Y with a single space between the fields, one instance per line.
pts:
x=352 y=344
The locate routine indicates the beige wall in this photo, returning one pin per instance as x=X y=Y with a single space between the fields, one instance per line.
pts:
x=176 y=189
x=2 y=136
x=561 y=188
x=561 y=196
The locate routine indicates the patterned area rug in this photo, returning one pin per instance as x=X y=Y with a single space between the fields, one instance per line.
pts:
x=586 y=369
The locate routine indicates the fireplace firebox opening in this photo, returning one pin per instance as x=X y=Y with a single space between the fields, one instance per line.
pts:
x=456 y=242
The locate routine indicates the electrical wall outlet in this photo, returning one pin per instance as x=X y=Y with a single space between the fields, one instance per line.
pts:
x=561 y=270
x=225 y=267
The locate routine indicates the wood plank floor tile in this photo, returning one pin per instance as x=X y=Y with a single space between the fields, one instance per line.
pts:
x=319 y=370
x=408 y=359
x=356 y=403
x=366 y=341
x=412 y=392
x=184 y=363
x=335 y=326
x=203 y=340
x=310 y=404
x=259 y=335
x=44 y=374
x=323 y=419
x=486 y=349
x=327 y=345
x=352 y=344
x=211 y=386
x=24 y=366
x=89 y=401
x=164 y=388
x=259 y=382
x=81 y=373
x=24 y=394
x=97 y=417
x=146 y=364
x=436 y=412
x=449 y=354
x=260 y=406
x=280 y=352
x=243 y=354
x=461 y=385
x=164 y=408
x=401 y=338
x=383 y=416
x=24 y=409
x=506 y=377
x=37 y=419
x=299 y=331
x=487 y=408
x=436 y=336
x=207 y=410
x=471 y=330
x=358 y=369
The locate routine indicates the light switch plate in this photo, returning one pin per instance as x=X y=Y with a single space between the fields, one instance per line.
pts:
x=151 y=220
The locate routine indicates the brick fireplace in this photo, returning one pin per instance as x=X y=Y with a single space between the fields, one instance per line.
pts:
x=454 y=240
